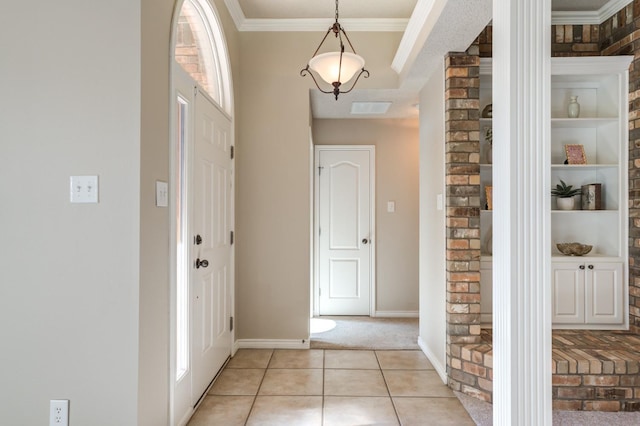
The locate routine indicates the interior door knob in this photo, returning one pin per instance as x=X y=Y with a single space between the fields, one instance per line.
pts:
x=201 y=263
x=365 y=241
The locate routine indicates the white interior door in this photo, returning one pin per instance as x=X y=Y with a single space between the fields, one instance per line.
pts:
x=211 y=257
x=345 y=230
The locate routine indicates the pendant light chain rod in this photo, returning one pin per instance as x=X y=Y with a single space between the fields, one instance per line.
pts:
x=336 y=11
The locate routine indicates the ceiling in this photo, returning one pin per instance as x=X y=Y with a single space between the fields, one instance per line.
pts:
x=456 y=22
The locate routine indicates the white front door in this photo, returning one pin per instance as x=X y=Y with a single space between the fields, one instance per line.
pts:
x=345 y=229
x=211 y=258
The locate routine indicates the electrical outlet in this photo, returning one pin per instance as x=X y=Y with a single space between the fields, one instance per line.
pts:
x=59 y=412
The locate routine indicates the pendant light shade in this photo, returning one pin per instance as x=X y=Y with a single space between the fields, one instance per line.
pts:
x=328 y=66
x=338 y=67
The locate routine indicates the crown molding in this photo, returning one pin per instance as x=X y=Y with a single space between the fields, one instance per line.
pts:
x=322 y=24
x=236 y=12
x=585 y=18
x=611 y=8
x=411 y=26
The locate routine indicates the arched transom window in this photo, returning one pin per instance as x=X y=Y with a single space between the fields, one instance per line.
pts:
x=200 y=50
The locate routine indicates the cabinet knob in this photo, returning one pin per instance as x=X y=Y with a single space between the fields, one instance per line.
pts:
x=581 y=266
x=590 y=266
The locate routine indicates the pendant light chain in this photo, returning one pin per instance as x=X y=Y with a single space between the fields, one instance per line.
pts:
x=336 y=10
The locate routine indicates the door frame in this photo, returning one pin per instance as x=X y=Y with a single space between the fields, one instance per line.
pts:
x=315 y=293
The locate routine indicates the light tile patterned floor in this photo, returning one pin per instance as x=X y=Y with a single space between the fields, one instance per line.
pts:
x=329 y=388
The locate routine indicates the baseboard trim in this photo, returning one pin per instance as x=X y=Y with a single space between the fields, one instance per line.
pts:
x=273 y=344
x=396 y=314
x=440 y=369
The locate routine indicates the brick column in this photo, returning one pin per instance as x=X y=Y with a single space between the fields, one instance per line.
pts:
x=462 y=166
x=619 y=35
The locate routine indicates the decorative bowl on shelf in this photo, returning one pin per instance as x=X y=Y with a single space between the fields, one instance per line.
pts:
x=574 y=249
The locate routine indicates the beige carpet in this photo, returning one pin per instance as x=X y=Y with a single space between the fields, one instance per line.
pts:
x=482 y=413
x=343 y=332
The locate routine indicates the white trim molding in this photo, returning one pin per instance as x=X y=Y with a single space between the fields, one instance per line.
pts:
x=433 y=359
x=273 y=343
x=595 y=17
x=396 y=314
x=522 y=382
x=311 y=24
x=420 y=24
x=323 y=24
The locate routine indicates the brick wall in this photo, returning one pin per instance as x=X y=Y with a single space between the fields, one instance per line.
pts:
x=462 y=165
x=620 y=35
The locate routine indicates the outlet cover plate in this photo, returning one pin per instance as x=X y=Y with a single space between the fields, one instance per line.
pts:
x=59 y=412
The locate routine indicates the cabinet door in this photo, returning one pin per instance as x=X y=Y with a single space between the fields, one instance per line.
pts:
x=604 y=293
x=568 y=286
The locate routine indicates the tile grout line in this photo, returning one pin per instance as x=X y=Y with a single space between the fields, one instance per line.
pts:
x=255 y=397
x=395 y=410
x=324 y=365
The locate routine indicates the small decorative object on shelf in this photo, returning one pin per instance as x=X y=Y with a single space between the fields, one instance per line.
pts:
x=574 y=249
x=488 y=242
x=592 y=196
x=488 y=137
x=487 y=112
x=575 y=154
x=573 y=108
x=565 y=194
x=488 y=190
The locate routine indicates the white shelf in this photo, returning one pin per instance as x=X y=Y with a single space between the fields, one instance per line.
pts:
x=588 y=122
x=582 y=167
x=591 y=257
x=579 y=211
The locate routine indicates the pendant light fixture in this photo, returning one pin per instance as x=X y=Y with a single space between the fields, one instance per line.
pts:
x=336 y=68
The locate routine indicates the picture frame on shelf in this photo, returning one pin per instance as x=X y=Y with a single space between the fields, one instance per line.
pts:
x=488 y=190
x=575 y=154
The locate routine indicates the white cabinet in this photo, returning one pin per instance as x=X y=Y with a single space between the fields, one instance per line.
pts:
x=587 y=294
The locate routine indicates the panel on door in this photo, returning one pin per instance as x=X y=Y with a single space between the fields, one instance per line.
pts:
x=604 y=287
x=211 y=254
x=345 y=222
x=568 y=294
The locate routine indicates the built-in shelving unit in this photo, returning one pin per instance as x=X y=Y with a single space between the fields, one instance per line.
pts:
x=589 y=291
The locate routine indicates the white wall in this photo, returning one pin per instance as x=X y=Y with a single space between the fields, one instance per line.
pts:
x=432 y=222
x=397 y=144
x=69 y=273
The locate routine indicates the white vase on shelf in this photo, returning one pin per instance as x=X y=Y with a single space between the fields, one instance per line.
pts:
x=573 y=108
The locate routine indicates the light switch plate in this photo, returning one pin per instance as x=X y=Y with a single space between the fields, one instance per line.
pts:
x=162 y=194
x=391 y=206
x=84 y=189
